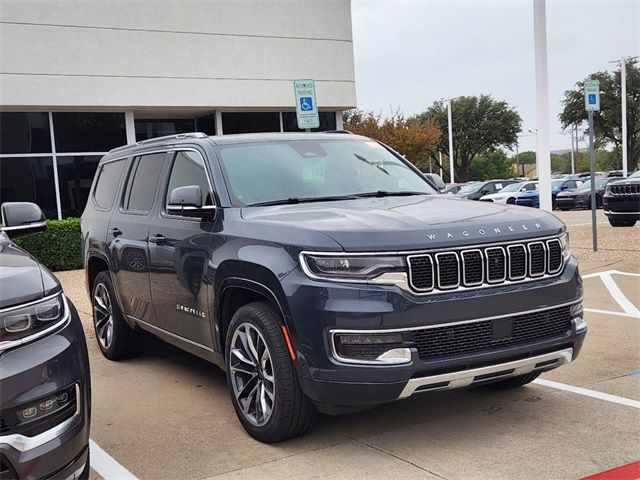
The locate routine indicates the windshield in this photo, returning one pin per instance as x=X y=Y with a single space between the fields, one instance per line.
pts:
x=311 y=169
x=587 y=185
x=514 y=187
x=635 y=175
x=557 y=183
x=474 y=187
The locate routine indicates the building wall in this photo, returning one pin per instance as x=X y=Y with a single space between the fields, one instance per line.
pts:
x=124 y=54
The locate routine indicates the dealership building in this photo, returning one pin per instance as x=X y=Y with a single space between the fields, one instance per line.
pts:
x=78 y=78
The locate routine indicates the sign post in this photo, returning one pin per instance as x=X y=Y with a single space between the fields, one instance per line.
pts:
x=592 y=104
x=306 y=105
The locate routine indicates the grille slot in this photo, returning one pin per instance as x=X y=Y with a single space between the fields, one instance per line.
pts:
x=633 y=189
x=421 y=272
x=517 y=262
x=448 y=270
x=537 y=263
x=472 y=267
x=496 y=265
x=478 y=336
x=491 y=265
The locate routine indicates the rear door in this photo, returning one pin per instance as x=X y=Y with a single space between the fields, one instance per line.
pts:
x=180 y=251
x=127 y=237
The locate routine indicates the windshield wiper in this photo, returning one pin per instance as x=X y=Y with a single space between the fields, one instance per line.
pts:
x=295 y=200
x=385 y=193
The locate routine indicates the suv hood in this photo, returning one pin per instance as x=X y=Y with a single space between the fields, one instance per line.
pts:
x=409 y=223
x=22 y=278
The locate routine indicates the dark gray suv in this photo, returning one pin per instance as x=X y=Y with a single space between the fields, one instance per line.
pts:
x=322 y=272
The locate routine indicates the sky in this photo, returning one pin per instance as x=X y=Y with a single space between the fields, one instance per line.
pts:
x=410 y=53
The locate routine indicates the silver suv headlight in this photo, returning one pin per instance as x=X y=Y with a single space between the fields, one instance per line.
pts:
x=23 y=323
x=564 y=244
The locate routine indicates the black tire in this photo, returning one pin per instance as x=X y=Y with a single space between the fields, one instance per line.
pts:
x=125 y=342
x=511 y=201
x=292 y=412
x=621 y=223
x=514 y=382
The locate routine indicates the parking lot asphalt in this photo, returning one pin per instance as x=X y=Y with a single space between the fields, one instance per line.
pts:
x=167 y=414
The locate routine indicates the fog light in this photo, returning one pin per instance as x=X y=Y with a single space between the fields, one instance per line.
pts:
x=579 y=324
x=372 y=348
x=373 y=339
x=48 y=405
x=29 y=412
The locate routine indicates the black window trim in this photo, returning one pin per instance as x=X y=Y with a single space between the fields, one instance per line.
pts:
x=97 y=179
x=167 y=178
x=127 y=186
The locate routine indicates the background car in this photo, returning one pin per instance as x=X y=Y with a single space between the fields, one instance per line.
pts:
x=436 y=180
x=621 y=201
x=474 y=191
x=532 y=198
x=581 y=197
x=453 y=188
x=508 y=193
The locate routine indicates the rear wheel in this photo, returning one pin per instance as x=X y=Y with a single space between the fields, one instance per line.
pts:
x=115 y=338
x=621 y=223
x=515 y=382
x=264 y=388
x=511 y=201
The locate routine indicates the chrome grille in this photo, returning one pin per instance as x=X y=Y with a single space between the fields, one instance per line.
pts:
x=484 y=266
x=633 y=189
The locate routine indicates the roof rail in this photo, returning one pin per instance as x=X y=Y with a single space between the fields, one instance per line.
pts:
x=339 y=131
x=151 y=141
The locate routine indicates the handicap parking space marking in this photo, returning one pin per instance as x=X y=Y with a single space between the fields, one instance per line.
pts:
x=588 y=393
x=106 y=466
x=630 y=310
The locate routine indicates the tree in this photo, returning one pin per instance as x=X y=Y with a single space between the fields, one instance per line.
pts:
x=491 y=164
x=480 y=124
x=607 y=123
x=412 y=139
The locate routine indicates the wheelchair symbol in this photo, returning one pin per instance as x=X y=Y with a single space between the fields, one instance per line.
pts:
x=306 y=104
x=592 y=99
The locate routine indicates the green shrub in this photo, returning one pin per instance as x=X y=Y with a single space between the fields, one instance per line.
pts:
x=58 y=247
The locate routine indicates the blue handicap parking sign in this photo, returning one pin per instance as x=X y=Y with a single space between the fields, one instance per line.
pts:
x=592 y=99
x=306 y=104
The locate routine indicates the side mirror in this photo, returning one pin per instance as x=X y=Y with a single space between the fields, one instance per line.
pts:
x=22 y=218
x=187 y=202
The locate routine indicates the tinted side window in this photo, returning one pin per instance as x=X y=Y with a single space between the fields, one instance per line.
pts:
x=108 y=179
x=188 y=169
x=143 y=181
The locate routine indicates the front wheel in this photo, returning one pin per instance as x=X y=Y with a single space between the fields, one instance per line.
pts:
x=264 y=388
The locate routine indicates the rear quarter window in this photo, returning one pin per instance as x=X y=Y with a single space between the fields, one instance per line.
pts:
x=108 y=179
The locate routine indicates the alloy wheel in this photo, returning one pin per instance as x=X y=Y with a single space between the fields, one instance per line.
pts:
x=252 y=375
x=103 y=316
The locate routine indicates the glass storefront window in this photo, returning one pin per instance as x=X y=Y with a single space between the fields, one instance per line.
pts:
x=290 y=124
x=146 y=129
x=250 y=122
x=75 y=175
x=29 y=179
x=24 y=132
x=206 y=124
x=88 y=132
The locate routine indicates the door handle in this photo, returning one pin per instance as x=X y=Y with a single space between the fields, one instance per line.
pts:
x=116 y=232
x=158 y=239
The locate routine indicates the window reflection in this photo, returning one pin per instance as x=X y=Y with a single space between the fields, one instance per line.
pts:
x=29 y=179
x=75 y=175
x=88 y=132
x=24 y=132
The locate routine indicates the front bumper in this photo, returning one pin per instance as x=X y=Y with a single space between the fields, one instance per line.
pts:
x=572 y=202
x=336 y=385
x=623 y=207
x=38 y=370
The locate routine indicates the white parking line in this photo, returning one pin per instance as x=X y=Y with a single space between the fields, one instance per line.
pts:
x=609 y=312
x=617 y=294
x=106 y=466
x=588 y=393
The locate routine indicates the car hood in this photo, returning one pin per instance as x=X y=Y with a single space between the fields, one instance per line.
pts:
x=22 y=278
x=408 y=223
x=625 y=181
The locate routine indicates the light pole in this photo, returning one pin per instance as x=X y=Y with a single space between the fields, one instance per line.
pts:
x=451 y=162
x=623 y=108
x=543 y=156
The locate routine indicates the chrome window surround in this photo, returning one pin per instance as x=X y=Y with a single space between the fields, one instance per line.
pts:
x=442 y=254
x=22 y=443
x=386 y=331
x=59 y=324
x=504 y=268
x=526 y=266
x=464 y=273
x=402 y=279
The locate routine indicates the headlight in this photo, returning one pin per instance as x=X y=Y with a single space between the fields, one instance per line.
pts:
x=34 y=319
x=379 y=269
x=564 y=244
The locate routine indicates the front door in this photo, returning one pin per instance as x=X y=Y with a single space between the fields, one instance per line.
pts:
x=180 y=250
